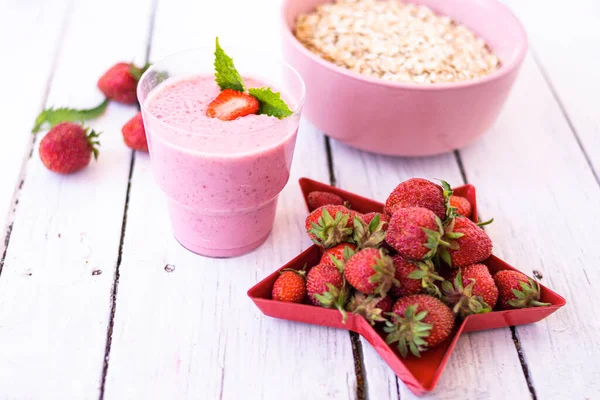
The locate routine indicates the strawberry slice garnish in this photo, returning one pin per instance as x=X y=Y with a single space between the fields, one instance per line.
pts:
x=231 y=104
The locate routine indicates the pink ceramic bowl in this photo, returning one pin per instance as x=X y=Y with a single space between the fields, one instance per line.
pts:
x=403 y=118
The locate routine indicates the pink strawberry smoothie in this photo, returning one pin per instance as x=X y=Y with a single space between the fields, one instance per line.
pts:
x=222 y=178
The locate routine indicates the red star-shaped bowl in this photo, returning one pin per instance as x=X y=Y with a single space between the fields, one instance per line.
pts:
x=419 y=374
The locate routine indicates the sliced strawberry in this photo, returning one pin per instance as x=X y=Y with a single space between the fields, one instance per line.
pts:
x=231 y=104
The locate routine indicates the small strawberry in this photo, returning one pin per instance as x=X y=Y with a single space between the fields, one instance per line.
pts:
x=415 y=232
x=318 y=199
x=338 y=255
x=68 y=148
x=462 y=205
x=368 y=217
x=370 y=271
x=290 y=286
x=119 y=83
x=417 y=323
x=326 y=287
x=134 y=134
x=372 y=233
x=370 y=307
x=231 y=104
x=415 y=277
x=468 y=243
x=330 y=225
x=417 y=192
x=471 y=290
x=517 y=290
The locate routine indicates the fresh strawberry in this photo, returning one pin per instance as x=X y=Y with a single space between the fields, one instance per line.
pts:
x=471 y=290
x=338 y=255
x=134 y=133
x=290 y=286
x=368 y=217
x=326 y=288
x=415 y=277
x=330 y=225
x=462 y=205
x=415 y=232
x=517 y=290
x=370 y=307
x=119 y=83
x=68 y=147
x=468 y=243
x=371 y=233
x=417 y=323
x=370 y=271
x=318 y=199
x=417 y=192
x=231 y=104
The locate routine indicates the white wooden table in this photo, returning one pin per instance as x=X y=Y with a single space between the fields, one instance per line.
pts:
x=88 y=310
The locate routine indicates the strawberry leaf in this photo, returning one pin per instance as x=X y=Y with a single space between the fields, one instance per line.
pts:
x=270 y=102
x=52 y=117
x=136 y=71
x=226 y=76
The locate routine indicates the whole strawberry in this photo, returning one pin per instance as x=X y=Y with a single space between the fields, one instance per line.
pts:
x=417 y=192
x=370 y=307
x=417 y=323
x=338 y=255
x=318 y=199
x=290 y=286
x=462 y=205
x=368 y=217
x=517 y=290
x=471 y=290
x=370 y=271
x=415 y=277
x=468 y=243
x=371 y=233
x=415 y=233
x=134 y=133
x=330 y=225
x=119 y=83
x=68 y=148
x=325 y=287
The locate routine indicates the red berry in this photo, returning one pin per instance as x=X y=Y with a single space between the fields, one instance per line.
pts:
x=231 y=104
x=370 y=307
x=290 y=287
x=330 y=225
x=517 y=290
x=405 y=232
x=473 y=246
x=368 y=217
x=119 y=83
x=317 y=284
x=470 y=290
x=68 y=148
x=414 y=277
x=134 y=133
x=370 y=271
x=417 y=192
x=318 y=199
x=463 y=206
x=338 y=253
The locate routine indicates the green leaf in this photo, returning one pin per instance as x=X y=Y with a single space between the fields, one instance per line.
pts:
x=226 y=76
x=137 y=72
x=53 y=117
x=270 y=103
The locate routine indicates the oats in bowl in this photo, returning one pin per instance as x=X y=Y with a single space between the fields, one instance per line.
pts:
x=395 y=41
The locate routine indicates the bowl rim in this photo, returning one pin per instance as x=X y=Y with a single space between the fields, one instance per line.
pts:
x=505 y=69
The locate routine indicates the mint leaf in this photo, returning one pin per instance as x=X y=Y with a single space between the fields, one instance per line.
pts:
x=270 y=102
x=52 y=116
x=226 y=75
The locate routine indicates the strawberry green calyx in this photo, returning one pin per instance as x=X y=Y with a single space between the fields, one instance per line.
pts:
x=461 y=297
x=371 y=235
x=54 y=116
x=92 y=138
x=450 y=241
x=341 y=264
x=451 y=211
x=484 y=223
x=408 y=331
x=366 y=306
x=300 y=272
x=528 y=296
x=136 y=71
x=384 y=273
x=427 y=275
x=330 y=231
x=434 y=240
x=335 y=298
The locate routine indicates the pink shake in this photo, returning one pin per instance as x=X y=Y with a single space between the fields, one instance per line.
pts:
x=222 y=178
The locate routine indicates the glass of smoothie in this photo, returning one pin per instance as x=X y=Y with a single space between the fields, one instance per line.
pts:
x=222 y=178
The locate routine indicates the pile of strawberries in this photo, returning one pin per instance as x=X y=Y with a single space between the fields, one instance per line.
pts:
x=415 y=268
x=68 y=146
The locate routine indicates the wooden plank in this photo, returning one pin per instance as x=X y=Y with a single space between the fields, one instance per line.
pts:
x=536 y=183
x=569 y=57
x=54 y=309
x=26 y=69
x=193 y=333
x=482 y=363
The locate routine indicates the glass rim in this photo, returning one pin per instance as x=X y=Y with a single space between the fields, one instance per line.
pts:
x=296 y=111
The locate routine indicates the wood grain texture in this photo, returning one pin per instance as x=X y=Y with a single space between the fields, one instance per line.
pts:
x=569 y=58
x=482 y=363
x=26 y=67
x=533 y=179
x=54 y=310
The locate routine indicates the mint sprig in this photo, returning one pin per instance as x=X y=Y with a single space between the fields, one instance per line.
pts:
x=52 y=117
x=226 y=75
x=270 y=103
